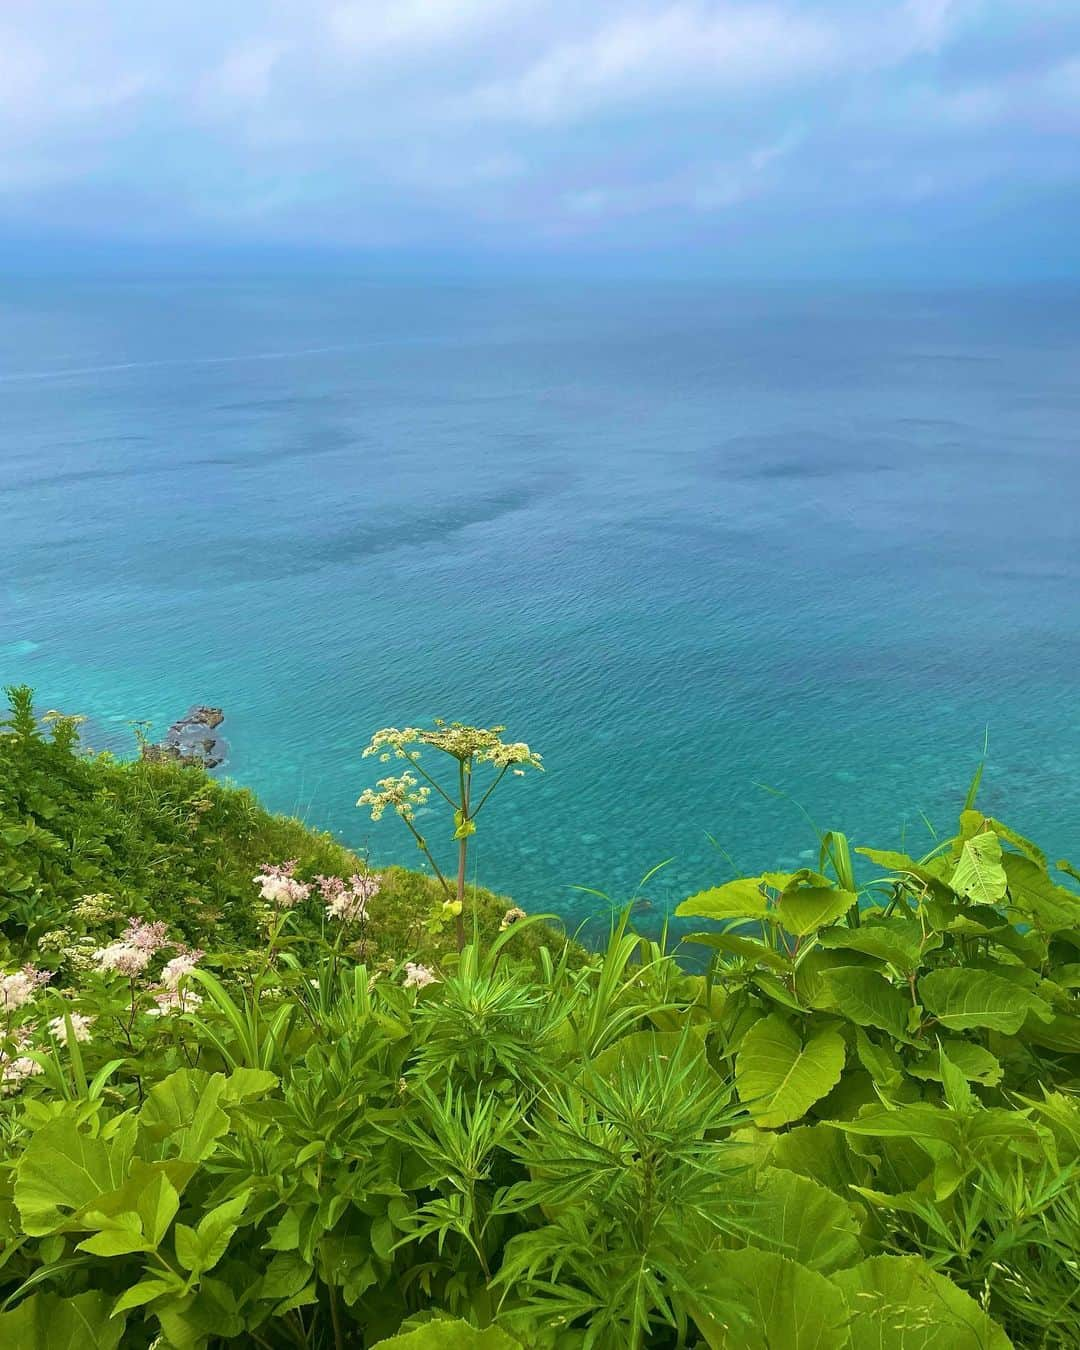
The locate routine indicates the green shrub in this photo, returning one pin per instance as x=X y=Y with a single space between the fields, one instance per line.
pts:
x=857 y=1130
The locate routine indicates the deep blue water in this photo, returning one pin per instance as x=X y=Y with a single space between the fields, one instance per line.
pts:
x=683 y=540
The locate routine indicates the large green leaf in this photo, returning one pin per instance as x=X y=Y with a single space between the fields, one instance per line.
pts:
x=974 y=822
x=805 y=909
x=1050 y=906
x=896 y=941
x=63 y=1170
x=901 y=1303
x=48 y=1322
x=779 y=1077
x=784 y=1305
x=802 y=1219
x=868 y=999
x=975 y=1062
x=962 y=999
x=979 y=874
x=740 y=899
x=820 y=1153
x=456 y=1335
x=737 y=944
x=184 y=1109
x=931 y=872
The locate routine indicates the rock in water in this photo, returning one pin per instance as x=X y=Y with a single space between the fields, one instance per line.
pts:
x=192 y=740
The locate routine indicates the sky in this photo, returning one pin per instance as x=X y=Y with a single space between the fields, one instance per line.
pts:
x=750 y=137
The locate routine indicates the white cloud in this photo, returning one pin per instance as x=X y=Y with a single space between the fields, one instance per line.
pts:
x=654 y=52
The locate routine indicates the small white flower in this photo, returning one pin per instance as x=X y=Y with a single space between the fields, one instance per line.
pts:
x=418 y=976
x=80 y=1025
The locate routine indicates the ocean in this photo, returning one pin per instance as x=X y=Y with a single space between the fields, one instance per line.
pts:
x=734 y=560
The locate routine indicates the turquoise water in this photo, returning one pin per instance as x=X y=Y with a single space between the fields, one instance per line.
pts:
x=684 y=541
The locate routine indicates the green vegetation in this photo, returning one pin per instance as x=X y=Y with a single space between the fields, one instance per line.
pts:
x=858 y=1130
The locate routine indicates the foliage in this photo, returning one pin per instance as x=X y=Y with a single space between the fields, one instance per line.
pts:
x=857 y=1128
x=87 y=840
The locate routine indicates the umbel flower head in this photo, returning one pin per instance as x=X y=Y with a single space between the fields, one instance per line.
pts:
x=464 y=743
x=400 y=793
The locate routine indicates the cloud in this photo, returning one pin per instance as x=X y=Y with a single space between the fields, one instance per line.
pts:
x=518 y=123
x=650 y=54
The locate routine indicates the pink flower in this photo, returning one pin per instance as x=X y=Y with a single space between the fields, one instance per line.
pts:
x=147 y=937
x=417 y=976
x=122 y=958
x=277 y=884
x=183 y=964
x=348 y=902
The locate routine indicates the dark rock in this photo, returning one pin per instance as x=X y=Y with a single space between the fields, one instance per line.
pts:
x=187 y=742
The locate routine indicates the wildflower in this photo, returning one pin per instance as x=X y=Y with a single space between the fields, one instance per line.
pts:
x=19 y=988
x=418 y=976
x=80 y=1025
x=182 y=964
x=277 y=884
x=348 y=901
x=401 y=793
x=17 y=1066
x=169 y=1000
x=55 y=940
x=94 y=908
x=392 y=741
x=122 y=958
x=147 y=937
x=512 y=916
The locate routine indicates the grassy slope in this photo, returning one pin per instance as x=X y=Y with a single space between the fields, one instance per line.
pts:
x=171 y=842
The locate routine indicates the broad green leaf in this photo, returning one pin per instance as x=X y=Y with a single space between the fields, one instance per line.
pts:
x=736 y=944
x=962 y=999
x=820 y=1153
x=780 y=1078
x=932 y=872
x=801 y=1219
x=243 y=1083
x=974 y=822
x=784 y=1305
x=183 y=1109
x=146 y=1291
x=116 y=1236
x=974 y=1061
x=807 y=908
x=49 y=1322
x=901 y=1303
x=740 y=899
x=979 y=874
x=63 y=1170
x=1052 y=907
x=204 y=1247
x=897 y=941
x=868 y=999
x=456 y=1335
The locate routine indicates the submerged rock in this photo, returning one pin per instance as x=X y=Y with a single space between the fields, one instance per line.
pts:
x=191 y=740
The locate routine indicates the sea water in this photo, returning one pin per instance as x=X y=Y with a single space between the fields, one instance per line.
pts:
x=691 y=542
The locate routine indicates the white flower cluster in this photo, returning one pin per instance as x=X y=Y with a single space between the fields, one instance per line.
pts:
x=418 y=976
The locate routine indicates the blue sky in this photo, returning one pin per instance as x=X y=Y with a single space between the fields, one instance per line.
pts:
x=756 y=137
